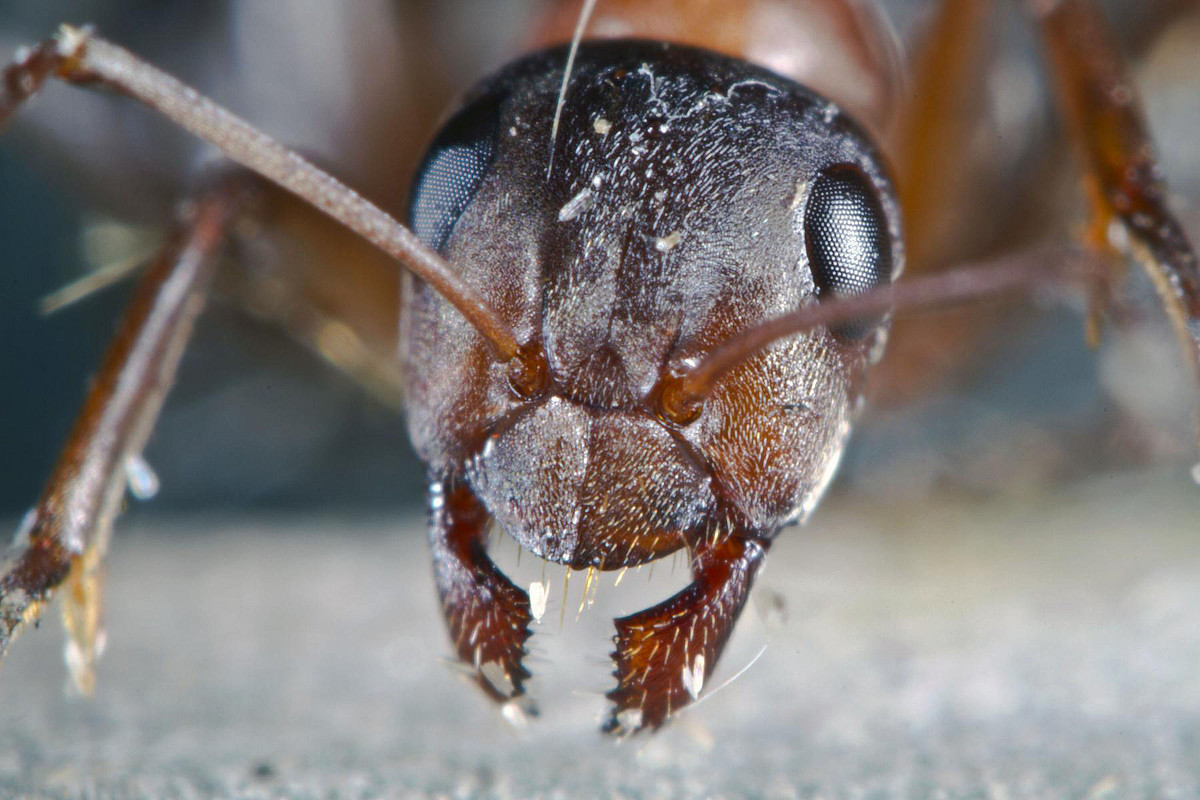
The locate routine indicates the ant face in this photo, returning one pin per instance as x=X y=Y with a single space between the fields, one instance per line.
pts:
x=676 y=199
x=685 y=198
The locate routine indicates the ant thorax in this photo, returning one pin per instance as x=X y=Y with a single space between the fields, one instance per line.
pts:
x=672 y=209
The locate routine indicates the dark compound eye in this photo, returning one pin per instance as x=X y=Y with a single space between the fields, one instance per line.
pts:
x=452 y=171
x=846 y=234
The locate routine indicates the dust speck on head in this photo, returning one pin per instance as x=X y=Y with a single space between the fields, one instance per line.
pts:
x=575 y=206
x=602 y=126
x=665 y=244
x=798 y=197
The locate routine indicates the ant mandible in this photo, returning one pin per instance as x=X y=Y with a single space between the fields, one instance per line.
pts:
x=645 y=284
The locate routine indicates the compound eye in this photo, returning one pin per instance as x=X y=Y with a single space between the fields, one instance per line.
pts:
x=847 y=238
x=453 y=170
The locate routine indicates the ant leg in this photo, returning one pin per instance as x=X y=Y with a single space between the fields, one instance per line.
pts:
x=931 y=147
x=487 y=615
x=1101 y=109
x=65 y=536
x=665 y=654
x=936 y=131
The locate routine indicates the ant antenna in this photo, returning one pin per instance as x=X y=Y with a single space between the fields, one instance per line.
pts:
x=77 y=57
x=681 y=395
x=585 y=14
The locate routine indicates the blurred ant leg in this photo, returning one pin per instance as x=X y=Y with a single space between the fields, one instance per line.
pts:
x=666 y=653
x=931 y=148
x=934 y=134
x=328 y=289
x=65 y=536
x=1101 y=108
x=487 y=615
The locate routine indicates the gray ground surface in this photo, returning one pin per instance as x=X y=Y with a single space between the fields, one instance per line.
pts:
x=1042 y=649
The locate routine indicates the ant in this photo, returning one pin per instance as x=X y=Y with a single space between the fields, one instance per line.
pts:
x=645 y=284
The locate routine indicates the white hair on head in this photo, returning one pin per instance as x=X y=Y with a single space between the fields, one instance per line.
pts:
x=585 y=14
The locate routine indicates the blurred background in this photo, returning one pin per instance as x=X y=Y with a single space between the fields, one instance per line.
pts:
x=259 y=422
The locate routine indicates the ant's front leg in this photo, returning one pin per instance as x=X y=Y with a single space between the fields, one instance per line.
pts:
x=487 y=615
x=665 y=654
x=1124 y=181
x=65 y=536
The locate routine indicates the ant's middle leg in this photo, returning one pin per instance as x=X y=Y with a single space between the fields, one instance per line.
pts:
x=64 y=537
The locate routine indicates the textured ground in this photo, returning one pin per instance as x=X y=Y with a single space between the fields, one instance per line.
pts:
x=1035 y=650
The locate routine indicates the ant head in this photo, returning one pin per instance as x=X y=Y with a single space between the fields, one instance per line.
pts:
x=684 y=198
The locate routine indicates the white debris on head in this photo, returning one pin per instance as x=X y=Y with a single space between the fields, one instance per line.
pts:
x=576 y=206
x=799 y=195
x=665 y=244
